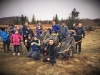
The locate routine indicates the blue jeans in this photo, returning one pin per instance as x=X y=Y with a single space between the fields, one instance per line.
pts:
x=34 y=55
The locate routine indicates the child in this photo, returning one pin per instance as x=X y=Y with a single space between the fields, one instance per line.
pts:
x=28 y=42
x=21 y=33
x=16 y=39
x=35 y=53
x=5 y=39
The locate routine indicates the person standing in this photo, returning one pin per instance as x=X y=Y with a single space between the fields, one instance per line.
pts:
x=21 y=33
x=63 y=31
x=16 y=39
x=80 y=33
x=24 y=30
x=5 y=38
x=55 y=27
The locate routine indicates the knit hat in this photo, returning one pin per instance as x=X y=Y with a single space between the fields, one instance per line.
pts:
x=70 y=33
x=36 y=36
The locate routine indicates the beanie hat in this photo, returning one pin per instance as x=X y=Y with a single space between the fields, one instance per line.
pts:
x=70 y=33
x=36 y=36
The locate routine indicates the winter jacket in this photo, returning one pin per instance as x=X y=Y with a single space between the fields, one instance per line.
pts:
x=36 y=45
x=63 y=31
x=10 y=31
x=80 y=33
x=56 y=28
x=20 y=32
x=52 y=51
x=30 y=32
x=16 y=39
x=4 y=36
x=24 y=29
x=0 y=32
x=38 y=31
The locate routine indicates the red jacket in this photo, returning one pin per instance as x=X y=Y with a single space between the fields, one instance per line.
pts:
x=16 y=39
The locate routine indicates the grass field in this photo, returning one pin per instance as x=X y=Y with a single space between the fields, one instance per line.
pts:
x=87 y=63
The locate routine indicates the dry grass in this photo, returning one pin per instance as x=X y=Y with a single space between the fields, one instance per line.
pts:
x=85 y=64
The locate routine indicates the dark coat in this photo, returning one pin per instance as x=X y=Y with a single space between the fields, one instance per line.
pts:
x=52 y=51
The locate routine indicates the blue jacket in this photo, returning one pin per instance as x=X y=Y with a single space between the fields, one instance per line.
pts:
x=24 y=29
x=38 y=31
x=55 y=28
x=36 y=45
x=4 y=36
x=63 y=31
x=0 y=32
x=20 y=32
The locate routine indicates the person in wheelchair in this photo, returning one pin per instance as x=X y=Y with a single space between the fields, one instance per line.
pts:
x=67 y=46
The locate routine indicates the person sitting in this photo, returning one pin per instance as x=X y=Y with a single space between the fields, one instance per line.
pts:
x=35 y=52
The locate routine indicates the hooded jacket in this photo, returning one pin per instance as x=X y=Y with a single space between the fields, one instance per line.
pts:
x=4 y=36
x=52 y=51
x=63 y=31
x=36 y=45
x=24 y=29
x=56 y=28
x=16 y=39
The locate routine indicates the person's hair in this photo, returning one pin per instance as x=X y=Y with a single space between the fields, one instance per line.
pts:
x=62 y=22
x=3 y=29
x=53 y=20
x=11 y=24
x=51 y=39
x=26 y=22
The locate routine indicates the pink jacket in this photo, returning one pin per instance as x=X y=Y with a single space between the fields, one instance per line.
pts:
x=16 y=39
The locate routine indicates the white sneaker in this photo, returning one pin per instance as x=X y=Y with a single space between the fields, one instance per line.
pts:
x=18 y=54
x=14 y=54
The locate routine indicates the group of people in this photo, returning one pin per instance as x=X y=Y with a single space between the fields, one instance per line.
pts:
x=49 y=42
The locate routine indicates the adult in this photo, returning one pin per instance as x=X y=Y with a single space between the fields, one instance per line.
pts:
x=63 y=31
x=52 y=52
x=55 y=27
x=80 y=33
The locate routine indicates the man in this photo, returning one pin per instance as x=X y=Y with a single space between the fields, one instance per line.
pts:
x=63 y=31
x=80 y=33
x=55 y=27
x=52 y=52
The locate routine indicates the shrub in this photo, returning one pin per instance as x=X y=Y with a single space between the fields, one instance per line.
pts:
x=90 y=28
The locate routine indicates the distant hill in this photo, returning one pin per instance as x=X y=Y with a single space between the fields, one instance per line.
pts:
x=7 y=20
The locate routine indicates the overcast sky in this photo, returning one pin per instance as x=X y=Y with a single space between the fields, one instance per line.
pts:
x=46 y=9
